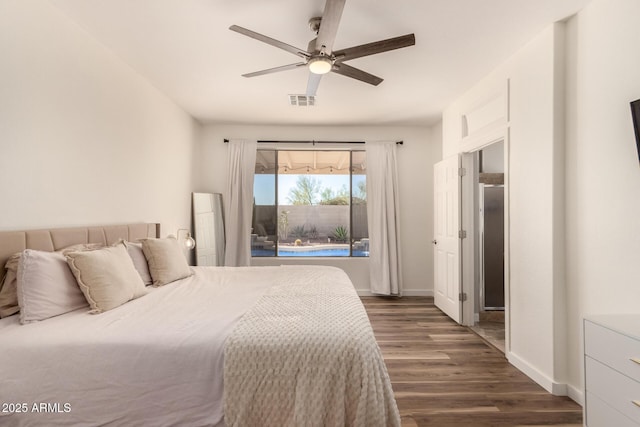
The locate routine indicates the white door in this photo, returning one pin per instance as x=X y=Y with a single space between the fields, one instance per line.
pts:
x=446 y=244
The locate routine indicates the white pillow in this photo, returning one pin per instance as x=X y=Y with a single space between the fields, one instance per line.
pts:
x=46 y=287
x=107 y=277
x=166 y=260
x=139 y=260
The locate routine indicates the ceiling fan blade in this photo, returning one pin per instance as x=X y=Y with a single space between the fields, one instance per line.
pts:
x=375 y=47
x=329 y=25
x=354 y=73
x=313 y=83
x=275 y=69
x=268 y=40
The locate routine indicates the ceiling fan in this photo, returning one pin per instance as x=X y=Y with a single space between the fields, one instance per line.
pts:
x=320 y=57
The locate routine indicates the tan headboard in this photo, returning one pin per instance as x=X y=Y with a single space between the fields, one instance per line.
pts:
x=58 y=238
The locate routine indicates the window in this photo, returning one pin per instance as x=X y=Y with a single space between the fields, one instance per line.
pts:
x=310 y=203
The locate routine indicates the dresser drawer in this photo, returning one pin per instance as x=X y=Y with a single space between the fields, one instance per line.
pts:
x=613 y=349
x=617 y=390
x=599 y=414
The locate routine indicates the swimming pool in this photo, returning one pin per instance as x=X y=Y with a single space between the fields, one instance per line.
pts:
x=310 y=252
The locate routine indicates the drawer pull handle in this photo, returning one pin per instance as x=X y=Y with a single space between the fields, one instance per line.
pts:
x=636 y=402
x=635 y=360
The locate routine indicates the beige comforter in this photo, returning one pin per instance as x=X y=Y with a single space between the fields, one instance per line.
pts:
x=305 y=355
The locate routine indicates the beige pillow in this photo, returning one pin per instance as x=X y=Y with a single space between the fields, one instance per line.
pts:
x=46 y=286
x=166 y=260
x=81 y=247
x=139 y=260
x=107 y=277
x=9 y=288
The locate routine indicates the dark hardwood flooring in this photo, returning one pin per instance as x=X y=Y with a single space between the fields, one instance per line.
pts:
x=445 y=375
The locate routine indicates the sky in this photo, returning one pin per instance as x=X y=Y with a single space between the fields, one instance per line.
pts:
x=263 y=188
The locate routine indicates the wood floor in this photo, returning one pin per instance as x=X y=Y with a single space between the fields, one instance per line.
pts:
x=445 y=375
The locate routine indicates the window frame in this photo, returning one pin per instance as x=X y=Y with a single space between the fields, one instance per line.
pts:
x=277 y=151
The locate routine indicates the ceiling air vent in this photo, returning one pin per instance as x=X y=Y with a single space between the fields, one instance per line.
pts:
x=302 y=100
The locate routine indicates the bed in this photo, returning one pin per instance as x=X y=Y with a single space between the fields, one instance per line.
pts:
x=250 y=346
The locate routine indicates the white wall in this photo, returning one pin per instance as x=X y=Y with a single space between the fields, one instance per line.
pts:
x=84 y=139
x=603 y=175
x=493 y=158
x=573 y=182
x=415 y=163
x=523 y=110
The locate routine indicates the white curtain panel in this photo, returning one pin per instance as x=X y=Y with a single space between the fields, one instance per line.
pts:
x=238 y=202
x=383 y=219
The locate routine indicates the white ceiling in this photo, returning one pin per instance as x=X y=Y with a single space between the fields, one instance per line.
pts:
x=185 y=49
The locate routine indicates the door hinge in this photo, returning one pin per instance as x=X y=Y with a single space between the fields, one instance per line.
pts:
x=462 y=234
x=462 y=171
x=462 y=296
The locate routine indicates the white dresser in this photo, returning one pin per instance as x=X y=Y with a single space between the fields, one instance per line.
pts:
x=612 y=370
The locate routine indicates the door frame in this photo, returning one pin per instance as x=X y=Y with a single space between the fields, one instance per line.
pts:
x=469 y=223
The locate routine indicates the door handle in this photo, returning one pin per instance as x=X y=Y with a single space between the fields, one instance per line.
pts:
x=435 y=242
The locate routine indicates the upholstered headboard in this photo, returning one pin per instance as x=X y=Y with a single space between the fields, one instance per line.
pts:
x=58 y=238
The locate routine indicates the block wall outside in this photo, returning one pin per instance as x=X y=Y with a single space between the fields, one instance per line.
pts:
x=325 y=219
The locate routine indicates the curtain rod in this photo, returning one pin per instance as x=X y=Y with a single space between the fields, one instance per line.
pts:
x=312 y=142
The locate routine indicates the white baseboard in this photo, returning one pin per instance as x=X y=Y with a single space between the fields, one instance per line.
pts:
x=553 y=387
x=576 y=394
x=405 y=292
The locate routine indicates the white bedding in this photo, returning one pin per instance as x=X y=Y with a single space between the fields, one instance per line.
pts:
x=158 y=360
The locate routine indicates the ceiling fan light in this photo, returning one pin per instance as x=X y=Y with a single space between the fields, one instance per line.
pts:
x=320 y=65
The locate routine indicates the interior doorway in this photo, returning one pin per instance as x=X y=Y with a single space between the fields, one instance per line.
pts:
x=461 y=261
x=489 y=218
